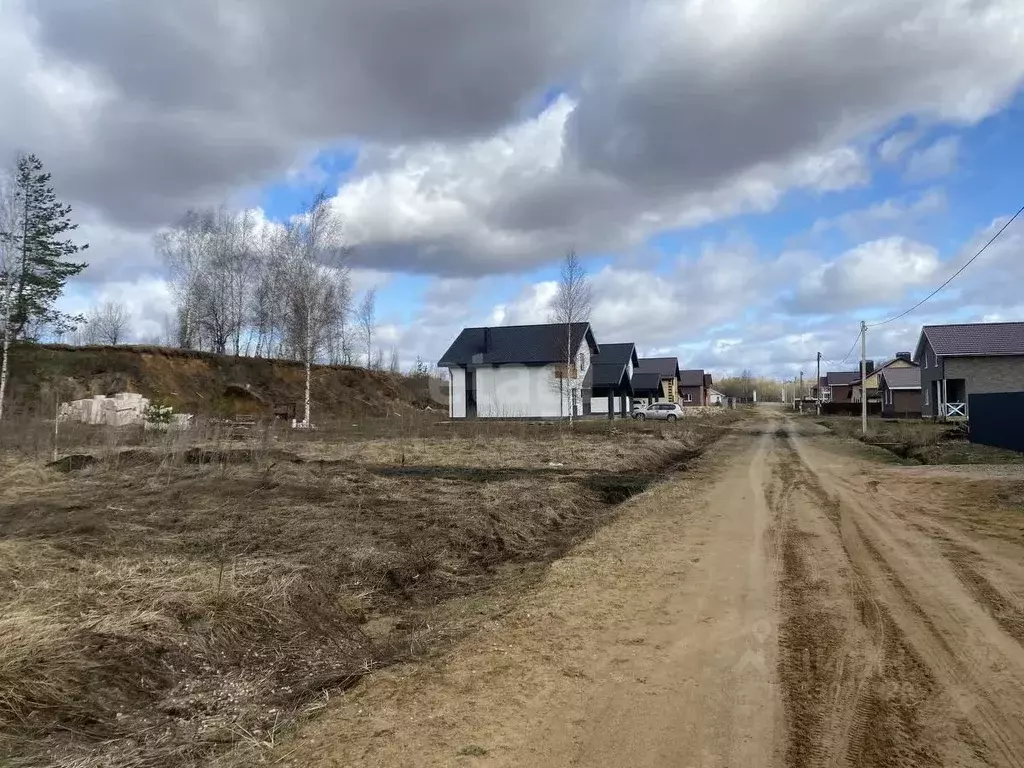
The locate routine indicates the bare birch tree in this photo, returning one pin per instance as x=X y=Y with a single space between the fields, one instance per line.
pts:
x=317 y=274
x=570 y=306
x=8 y=220
x=366 y=316
x=185 y=250
x=393 y=364
x=107 y=323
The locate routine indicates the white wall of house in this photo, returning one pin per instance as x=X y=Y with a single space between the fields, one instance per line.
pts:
x=518 y=391
x=521 y=391
x=600 y=404
x=457 y=393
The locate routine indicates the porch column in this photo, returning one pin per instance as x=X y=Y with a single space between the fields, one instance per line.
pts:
x=944 y=398
x=611 y=405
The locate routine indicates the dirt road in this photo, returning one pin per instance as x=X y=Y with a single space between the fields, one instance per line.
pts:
x=781 y=603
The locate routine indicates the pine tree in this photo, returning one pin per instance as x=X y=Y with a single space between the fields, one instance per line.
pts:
x=43 y=255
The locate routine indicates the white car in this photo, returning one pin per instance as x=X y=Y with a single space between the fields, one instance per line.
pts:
x=663 y=411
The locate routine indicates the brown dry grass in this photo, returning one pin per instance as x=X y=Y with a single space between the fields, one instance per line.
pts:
x=170 y=603
x=922 y=442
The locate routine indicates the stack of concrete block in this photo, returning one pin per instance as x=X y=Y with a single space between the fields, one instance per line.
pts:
x=121 y=410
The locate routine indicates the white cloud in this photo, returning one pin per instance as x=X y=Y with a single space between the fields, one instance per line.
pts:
x=149 y=301
x=891 y=216
x=938 y=159
x=514 y=201
x=894 y=147
x=872 y=274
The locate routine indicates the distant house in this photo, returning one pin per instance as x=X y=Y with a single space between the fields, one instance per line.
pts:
x=667 y=369
x=716 y=398
x=900 y=392
x=964 y=359
x=837 y=386
x=901 y=360
x=691 y=387
x=519 y=371
x=648 y=387
x=610 y=379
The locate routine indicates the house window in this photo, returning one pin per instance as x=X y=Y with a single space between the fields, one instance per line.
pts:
x=687 y=397
x=926 y=397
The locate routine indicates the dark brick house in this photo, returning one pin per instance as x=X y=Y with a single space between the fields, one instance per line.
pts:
x=691 y=387
x=968 y=358
x=837 y=386
x=900 y=392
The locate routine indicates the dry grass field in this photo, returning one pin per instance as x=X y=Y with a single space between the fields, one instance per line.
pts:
x=185 y=599
x=921 y=442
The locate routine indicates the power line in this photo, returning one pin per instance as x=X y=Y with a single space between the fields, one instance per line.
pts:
x=952 y=277
x=847 y=356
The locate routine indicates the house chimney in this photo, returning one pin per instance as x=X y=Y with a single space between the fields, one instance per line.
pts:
x=903 y=356
x=869 y=365
x=487 y=340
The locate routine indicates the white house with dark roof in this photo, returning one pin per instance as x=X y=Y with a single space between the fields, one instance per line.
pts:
x=609 y=382
x=519 y=371
x=959 y=360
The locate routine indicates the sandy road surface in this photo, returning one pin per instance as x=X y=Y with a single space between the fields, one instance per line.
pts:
x=776 y=604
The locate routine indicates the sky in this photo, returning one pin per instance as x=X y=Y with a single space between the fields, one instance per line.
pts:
x=745 y=182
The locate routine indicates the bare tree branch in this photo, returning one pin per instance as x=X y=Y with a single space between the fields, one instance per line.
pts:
x=107 y=324
x=366 y=316
x=571 y=305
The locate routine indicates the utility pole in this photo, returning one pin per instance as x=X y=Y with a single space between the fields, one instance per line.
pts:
x=801 y=386
x=863 y=376
x=817 y=388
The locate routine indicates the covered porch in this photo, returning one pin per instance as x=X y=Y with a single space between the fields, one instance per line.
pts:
x=611 y=401
x=948 y=398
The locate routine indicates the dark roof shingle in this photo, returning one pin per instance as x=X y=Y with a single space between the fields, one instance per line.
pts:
x=647 y=382
x=668 y=367
x=509 y=344
x=608 y=367
x=692 y=378
x=883 y=367
x=976 y=339
x=902 y=378
x=841 y=378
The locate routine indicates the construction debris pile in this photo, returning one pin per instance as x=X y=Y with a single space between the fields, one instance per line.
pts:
x=122 y=410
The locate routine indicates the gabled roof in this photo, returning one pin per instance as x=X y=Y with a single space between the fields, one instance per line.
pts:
x=692 y=378
x=902 y=378
x=973 y=339
x=668 y=367
x=708 y=381
x=510 y=344
x=608 y=367
x=647 y=383
x=882 y=367
x=841 y=378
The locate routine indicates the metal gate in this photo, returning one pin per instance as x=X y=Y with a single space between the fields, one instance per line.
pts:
x=997 y=420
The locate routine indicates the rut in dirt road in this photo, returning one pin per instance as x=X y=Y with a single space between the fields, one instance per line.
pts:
x=777 y=604
x=889 y=655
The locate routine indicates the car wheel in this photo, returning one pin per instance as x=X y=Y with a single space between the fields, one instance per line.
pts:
x=672 y=417
x=641 y=417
